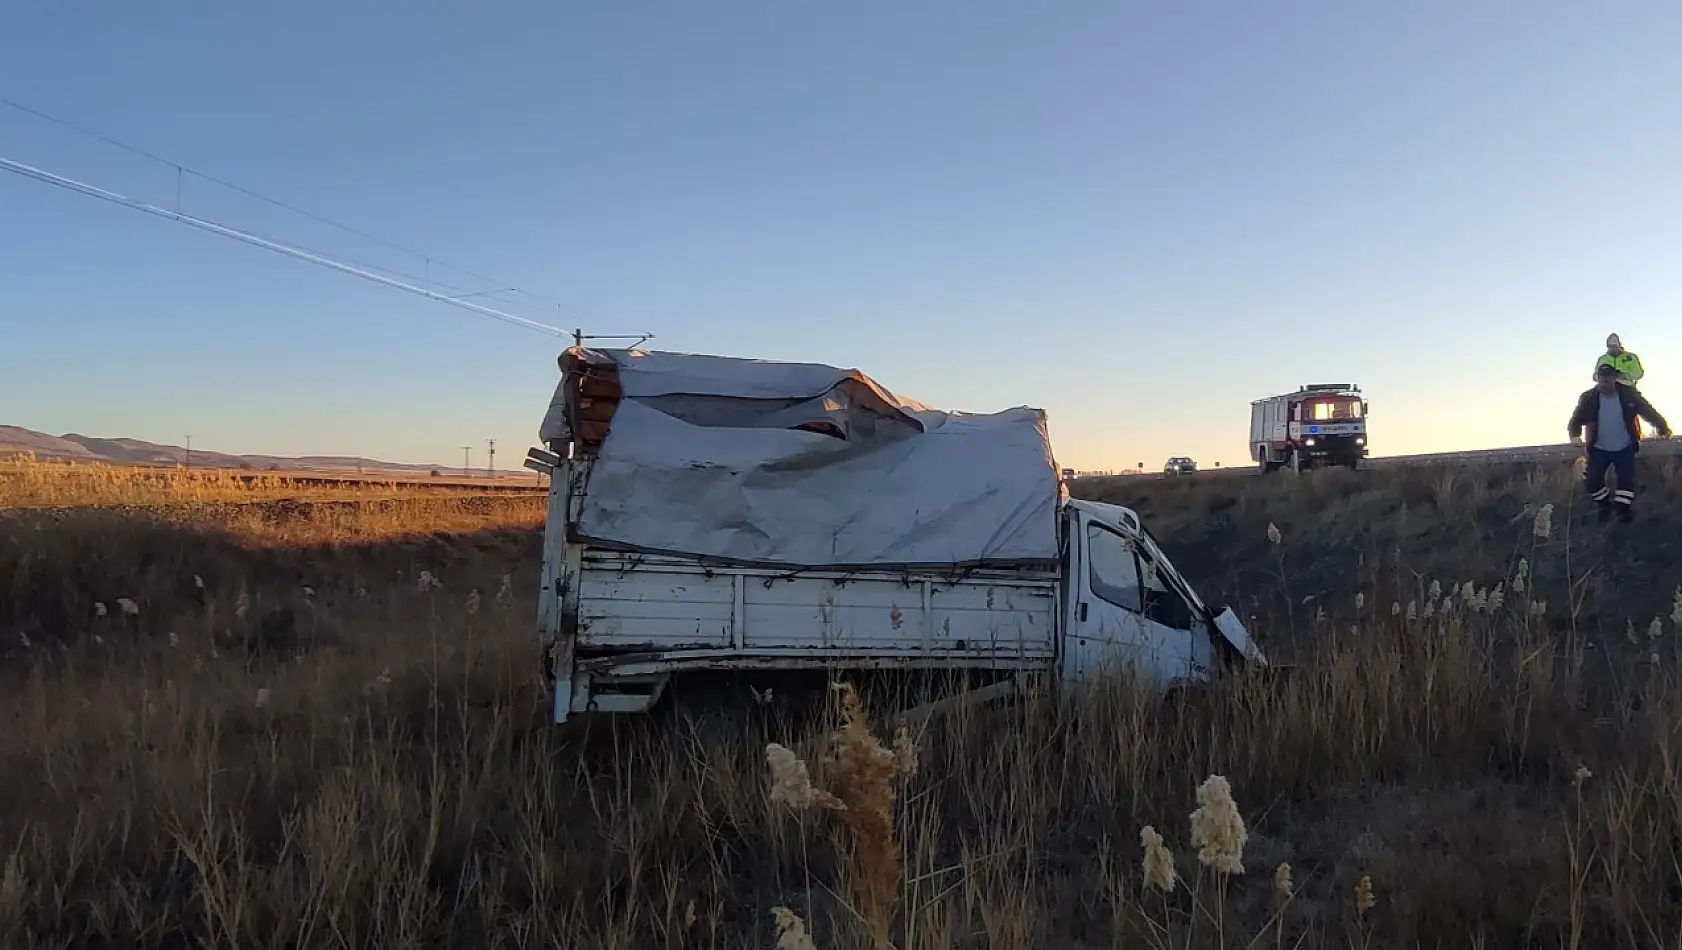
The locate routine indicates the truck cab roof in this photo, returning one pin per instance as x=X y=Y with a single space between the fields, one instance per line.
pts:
x=1127 y=520
x=1116 y=516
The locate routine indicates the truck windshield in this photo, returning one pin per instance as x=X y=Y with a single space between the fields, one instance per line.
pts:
x=1327 y=410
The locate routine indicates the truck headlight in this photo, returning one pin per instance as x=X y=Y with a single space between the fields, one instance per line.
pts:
x=1360 y=440
x=1308 y=442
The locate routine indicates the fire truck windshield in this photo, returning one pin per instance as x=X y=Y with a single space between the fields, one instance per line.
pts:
x=1330 y=410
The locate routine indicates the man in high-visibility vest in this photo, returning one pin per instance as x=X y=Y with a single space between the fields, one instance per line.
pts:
x=1610 y=414
x=1626 y=363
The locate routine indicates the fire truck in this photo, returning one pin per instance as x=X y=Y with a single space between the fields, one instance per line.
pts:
x=1318 y=425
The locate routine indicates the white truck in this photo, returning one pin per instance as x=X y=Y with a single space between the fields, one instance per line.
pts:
x=717 y=514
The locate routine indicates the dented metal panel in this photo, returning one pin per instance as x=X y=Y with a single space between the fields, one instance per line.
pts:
x=688 y=661
x=634 y=603
x=562 y=566
x=653 y=609
x=554 y=561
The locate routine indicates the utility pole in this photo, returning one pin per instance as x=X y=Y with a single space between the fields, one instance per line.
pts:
x=490 y=466
x=579 y=336
x=187 y=459
x=466 y=468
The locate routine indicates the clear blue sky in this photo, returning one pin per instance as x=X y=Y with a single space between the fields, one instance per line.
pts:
x=1137 y=216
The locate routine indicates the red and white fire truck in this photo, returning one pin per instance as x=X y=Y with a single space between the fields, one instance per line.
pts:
x=1320 y=424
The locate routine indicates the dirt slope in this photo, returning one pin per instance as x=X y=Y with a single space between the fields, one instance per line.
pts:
x=1388 y=534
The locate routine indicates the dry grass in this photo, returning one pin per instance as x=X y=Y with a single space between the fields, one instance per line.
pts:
x=1385 y=536
x=26 y=483
x=317 y=748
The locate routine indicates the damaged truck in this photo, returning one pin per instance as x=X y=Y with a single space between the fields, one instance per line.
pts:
x=710 y=514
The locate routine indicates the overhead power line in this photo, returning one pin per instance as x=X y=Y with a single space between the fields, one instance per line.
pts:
x=181 y=170
x=71 y=184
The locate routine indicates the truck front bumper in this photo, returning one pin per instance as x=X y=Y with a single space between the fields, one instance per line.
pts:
x=1333 y=447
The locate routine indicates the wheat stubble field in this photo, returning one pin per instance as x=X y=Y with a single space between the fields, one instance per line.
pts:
x=292 y=720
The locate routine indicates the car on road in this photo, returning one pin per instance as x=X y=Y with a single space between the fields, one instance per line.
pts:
x=1179 y=465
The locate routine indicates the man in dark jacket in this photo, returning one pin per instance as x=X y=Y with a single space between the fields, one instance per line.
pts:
x=1608 y=412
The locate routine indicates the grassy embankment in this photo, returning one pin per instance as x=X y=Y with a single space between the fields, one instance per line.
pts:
x=263 y=725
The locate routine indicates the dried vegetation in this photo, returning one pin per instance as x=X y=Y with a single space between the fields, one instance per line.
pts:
x=27 y=483
x=230 y=737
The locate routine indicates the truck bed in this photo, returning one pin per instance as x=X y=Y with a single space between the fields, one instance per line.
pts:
x=647 y=607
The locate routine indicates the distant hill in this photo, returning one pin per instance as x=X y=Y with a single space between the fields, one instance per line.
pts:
x=15 y=440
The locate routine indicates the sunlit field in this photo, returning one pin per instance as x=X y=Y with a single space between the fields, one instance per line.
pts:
x=276 y=720
x=27 y=483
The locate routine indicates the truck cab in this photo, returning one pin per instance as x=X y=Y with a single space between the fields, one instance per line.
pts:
x=1130 y=607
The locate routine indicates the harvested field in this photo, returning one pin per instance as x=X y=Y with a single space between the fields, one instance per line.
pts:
x=26 y=483
x=319 y=723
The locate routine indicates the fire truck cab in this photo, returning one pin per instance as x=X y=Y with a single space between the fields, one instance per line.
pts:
x=1319 y=424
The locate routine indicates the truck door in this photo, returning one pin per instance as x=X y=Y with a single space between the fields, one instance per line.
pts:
x=1125 y=614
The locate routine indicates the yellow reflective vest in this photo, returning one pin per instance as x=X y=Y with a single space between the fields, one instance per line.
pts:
x=1626 y=363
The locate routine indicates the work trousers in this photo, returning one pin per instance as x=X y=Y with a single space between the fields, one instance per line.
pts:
x=1623 y=462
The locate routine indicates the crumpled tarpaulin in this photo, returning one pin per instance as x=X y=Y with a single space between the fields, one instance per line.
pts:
x=802 y=465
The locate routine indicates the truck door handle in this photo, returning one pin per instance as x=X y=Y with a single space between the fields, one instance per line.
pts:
x=1082 y=612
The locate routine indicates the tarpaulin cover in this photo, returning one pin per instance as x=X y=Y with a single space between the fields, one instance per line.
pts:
x=702 y=458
